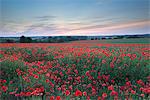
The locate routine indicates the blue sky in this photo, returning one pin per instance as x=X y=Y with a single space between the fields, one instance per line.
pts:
x=74 y=17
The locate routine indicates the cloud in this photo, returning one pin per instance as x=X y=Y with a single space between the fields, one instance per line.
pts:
x=110 y=28
x=45 y=18
x=46 y=28
x=116 y=25
x=86 y=26
x=13 y=27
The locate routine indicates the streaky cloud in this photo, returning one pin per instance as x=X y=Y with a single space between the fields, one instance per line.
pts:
x=45 y=18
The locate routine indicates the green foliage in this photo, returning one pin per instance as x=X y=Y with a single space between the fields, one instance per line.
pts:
x=8 y=72
x=24 y=39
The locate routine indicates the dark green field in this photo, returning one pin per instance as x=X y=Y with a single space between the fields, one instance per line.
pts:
x=122 y=41
x=132 y=40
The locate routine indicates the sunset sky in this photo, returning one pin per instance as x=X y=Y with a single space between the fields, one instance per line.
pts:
x=74 y=17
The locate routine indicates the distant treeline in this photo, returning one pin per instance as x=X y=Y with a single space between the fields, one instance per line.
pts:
x=61 y=39
x=49 y=39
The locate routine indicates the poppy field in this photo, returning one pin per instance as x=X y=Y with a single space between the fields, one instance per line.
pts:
x=74 y=71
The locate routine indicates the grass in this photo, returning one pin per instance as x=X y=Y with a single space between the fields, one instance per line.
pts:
x=119 y=41
x=132 y=40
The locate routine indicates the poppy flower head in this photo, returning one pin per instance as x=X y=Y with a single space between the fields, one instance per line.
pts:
x=67 y=92
x=78 y=93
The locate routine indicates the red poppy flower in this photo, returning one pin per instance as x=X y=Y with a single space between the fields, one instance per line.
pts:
x=47 y=80
x=99 y=98
x=111 y=87
x=103 y=61
x=4 y=88
x=4 y=81
x=142 y=95
x=52 y=97
x=112 y=65
x=58 y=98
x=133 y=92
x=59 y=88
x=78 y=93
x=85 y=93
x=104 y=95
x=28 y=94
x=36 y=76
x=87 y=73
x=114 y=93
x=128 y=83
x=67 y=92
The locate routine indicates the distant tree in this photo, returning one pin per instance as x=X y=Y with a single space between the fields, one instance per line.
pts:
x=68 y=37
x=103 y=38
x=60 y=40
x=92 y=38
x=28 y=39
x=24 y=39
x=10 y=41
x=120 y=37
x=50 y=39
